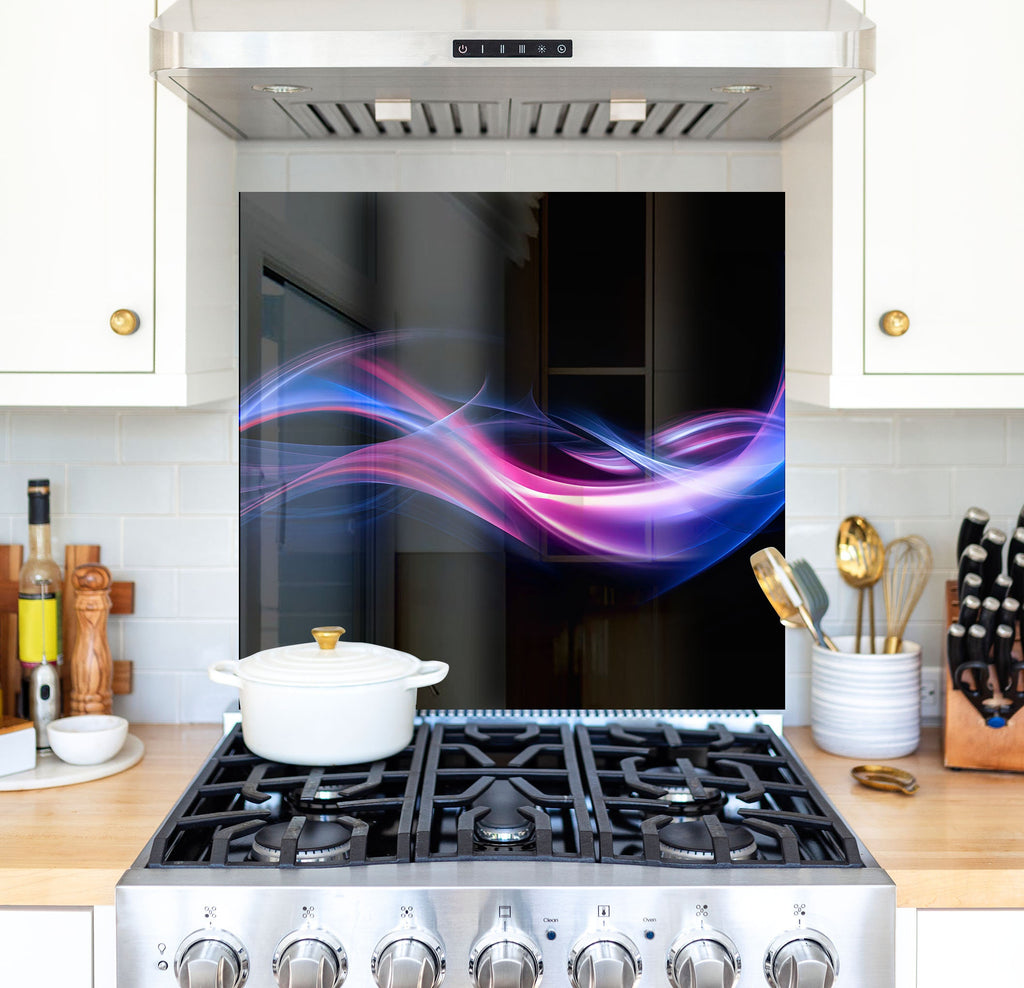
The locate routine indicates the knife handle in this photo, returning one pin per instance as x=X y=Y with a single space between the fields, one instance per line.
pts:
x=988 y=618
x=970 y=608
x=1004 y=644
x=993 y=542
x=971 y=528
x=1016 y=545
x=1009 y=612
x=1017 y=575
x=1001 y=587
x=955 y=653
x=977 y=662
x=972 y=560
x=1020 y=518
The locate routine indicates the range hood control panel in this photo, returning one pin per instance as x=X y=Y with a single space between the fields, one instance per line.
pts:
x=515 y=48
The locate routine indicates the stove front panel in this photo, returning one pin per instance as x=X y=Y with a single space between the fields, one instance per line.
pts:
x=553 y=919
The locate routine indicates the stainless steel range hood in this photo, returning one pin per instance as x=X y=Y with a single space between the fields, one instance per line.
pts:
x=585 y=69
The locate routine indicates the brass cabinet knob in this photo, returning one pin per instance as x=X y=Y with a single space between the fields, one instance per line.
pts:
x=124 y=322
x=895 y=323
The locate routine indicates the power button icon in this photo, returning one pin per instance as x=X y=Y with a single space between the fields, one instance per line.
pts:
x=463 y=49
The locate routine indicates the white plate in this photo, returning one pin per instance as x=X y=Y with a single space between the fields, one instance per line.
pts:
x=50 y=771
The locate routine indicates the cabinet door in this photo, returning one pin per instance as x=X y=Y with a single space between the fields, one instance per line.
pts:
x=42 y=946
x=955 y=947
x=944 y=152
x=76 y=186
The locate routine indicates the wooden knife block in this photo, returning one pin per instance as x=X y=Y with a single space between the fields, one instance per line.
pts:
x=967 y=741
x=122 y=597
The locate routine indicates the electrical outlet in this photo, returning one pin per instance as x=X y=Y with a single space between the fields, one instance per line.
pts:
x=931 y=694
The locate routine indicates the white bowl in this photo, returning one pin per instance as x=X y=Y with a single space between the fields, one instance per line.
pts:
x=88 y=739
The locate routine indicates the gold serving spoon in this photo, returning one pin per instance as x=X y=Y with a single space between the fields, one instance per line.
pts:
x=776 y=580
x=860 y=559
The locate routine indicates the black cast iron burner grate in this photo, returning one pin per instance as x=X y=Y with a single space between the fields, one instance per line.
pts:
x=498 y=790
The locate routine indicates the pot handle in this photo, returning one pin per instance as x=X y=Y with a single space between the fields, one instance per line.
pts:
x=430 y=673
x=224 y=672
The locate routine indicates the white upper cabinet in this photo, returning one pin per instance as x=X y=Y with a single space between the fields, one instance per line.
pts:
x=98 y=217
x=907 y=198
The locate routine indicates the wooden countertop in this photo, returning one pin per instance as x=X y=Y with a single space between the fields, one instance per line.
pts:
x=69 y=845
x=958 y=843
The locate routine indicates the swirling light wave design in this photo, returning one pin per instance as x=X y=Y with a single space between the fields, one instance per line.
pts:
x=701 y=488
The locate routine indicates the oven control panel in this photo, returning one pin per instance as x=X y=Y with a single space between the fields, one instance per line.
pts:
x=708 y=936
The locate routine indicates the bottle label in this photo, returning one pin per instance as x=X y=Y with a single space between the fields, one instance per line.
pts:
x=39 y=629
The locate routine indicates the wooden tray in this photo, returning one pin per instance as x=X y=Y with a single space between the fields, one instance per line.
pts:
x=968 y=742
x=50 y=771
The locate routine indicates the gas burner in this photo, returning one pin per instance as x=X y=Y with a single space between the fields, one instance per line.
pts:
x=327 y=803
x=682 y=802
x=503 y=824
x=691 y=841
x=319 y=843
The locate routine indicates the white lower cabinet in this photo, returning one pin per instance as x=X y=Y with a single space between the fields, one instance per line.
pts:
x=969 y=947
x=44 y=947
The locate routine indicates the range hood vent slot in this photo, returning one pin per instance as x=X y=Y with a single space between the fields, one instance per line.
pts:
x=591 y=119
x=574 y=119
x=355 y=119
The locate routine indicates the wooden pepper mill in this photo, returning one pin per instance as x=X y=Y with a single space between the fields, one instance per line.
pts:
x=92 y=670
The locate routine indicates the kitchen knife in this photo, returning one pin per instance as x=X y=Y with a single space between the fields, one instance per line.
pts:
x=955 y=650
x=1020 y=518
x=971 y=587
x=972 y=560
x=1001 y=586
x=970 y=608
x=973 y=524
x=976 y=664
x=1017 y=575
x=1016 y=545
x=992 y=542
x=1009 y=612
x=988 y=618
x=1002 y=660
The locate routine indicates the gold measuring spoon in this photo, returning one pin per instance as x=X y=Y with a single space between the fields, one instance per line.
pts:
x=885 y=777
x=860 y=559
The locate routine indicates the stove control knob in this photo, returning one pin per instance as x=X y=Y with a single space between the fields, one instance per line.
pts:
x=408 y=959
x=607 y=960
x=801 y=959
x=505 y=961
x=310 y=959
x=707 y=960
x=211 y=959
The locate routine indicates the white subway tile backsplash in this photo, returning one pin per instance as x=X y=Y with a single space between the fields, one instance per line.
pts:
x=755 y=172
x=812 y=492
x=426 y=172
x=209 y=490
x=156 y=592
x=673 y=172
x=76 y=437
x=101 y=530
x=14 y=478
x=897 y=493
x=179 y=542
x=999 y=490
x=812 y=540
x=119 y=489
x=864 y=440
x=193 y=645
x=208 y=593
x=174 y=437
x=343 y=172
x=203 y=701
x=1015 y=439
x=155 y=698
x=563 y=171
x=963 y=439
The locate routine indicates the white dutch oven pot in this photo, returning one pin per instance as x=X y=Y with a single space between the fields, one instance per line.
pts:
x=328 y=702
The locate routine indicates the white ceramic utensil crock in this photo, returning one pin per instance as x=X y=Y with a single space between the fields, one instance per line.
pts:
x=328 y=702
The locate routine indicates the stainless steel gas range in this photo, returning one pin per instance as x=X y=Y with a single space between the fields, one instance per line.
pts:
x=503 y=849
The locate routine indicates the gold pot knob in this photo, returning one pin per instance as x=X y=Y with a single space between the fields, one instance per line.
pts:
x=895 y=323
x=124 y=322
x=327 y=637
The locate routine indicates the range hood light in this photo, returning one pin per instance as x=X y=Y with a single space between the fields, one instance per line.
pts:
x=741 y=89
x=393 y=109
x=627 y=109
x=280 y=89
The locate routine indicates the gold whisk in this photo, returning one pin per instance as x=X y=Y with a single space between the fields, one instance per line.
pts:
x=908 y=564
